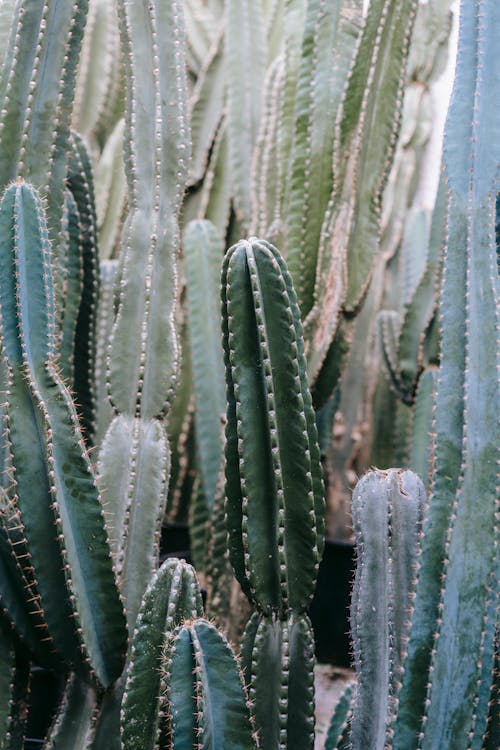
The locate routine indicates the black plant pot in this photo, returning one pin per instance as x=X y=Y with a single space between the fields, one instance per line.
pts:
x=175 y=542
x=329 y=610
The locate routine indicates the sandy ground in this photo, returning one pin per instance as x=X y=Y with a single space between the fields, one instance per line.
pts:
x=329 y=683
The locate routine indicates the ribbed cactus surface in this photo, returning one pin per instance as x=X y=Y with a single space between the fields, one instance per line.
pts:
x=387 y=509
x=274 y=486
x=450 y=661
x=53 y=481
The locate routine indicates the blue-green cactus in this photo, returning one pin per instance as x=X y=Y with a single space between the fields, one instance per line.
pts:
x=73 y=572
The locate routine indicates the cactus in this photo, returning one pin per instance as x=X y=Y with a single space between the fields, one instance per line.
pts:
x=349 y=237
x=274 y=487
x=278 y=657
x=194 y=693
x=402 y=336
x=73 y=571
x=387 y=513
x=331 y=30
x=206 y=702
x=143 y=350
x=74 y=725
x=245 y=59
x=273 y=474
x=171 y=597
x=202 y=258
x=449 y=663
x=338 y=730
x=279 y=126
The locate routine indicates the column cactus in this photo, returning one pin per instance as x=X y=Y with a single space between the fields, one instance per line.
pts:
x=450 y=657
x=70 y=571
x=274 y=488
x=184 y=686
x=387 y=511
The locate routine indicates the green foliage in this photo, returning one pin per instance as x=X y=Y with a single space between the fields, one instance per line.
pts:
x=126 y=126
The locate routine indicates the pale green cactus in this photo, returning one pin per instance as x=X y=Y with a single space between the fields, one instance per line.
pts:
x=295 y=109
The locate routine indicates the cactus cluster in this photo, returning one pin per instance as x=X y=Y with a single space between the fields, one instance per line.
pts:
x=149 y=377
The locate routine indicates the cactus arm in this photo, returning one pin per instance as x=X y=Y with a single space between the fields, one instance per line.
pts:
x=333 y=365
x=81 y=185
x=260 y=319
x=419 y=311
x=135 y=452
x=181 y=415
x=293 y=28
x=340 y=720
x=104 y=324
x=278 y=658
x=73 y=570
x=245 y=61
x=96 y=74
x=422 y=434
x=387 y=509
x=206 y=107
x=366 y=132
x=387 y=34
x=171 y=597
x=266 y=177
x=37 y=92
x=203 y=252
x=200 y=32
x=461 y=533
x=111 y=191
x=202 y=674
x=330 y=33
x=274 y=17
x=74 y=725
x=20 y=600
x=216 y=190
x=72 y=287
x=144 y=343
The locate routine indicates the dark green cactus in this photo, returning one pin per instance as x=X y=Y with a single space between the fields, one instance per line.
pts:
x=72 y=571
x=277 y=654
x=206 y=703
x=75 y=722
x=274 y=487
x=172 y=597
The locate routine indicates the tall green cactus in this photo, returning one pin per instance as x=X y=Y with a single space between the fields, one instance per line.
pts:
x=274 y=487
x=72 y=570
x=143 y=351
x=449 y=665
x=273 y=475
